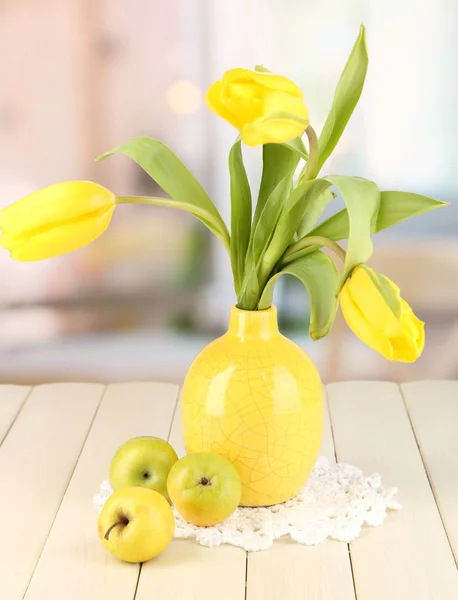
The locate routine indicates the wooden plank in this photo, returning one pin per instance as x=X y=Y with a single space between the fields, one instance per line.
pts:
x=37 y=459
x=12 y=397
x=290 y=571
x=74 y=564
x=200 y=573
x=433 y=409
x=327 y=445
x=189 y=571
x=409 y=555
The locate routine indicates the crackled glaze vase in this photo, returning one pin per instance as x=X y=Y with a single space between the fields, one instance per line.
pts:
x=255 y=397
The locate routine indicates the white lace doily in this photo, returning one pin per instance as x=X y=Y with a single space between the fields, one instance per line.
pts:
x=336 y=502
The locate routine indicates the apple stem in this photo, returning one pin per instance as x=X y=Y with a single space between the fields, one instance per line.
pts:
x=122 y=522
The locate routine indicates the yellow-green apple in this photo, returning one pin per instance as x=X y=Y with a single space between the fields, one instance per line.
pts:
x=143 y=461
x=136 y=524
x=205 y=488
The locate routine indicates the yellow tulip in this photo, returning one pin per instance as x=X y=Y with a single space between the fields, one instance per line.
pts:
x=264 y=107
x=55 y=220
x=369 y=316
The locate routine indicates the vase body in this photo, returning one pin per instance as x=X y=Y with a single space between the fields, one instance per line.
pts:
x=256 y=398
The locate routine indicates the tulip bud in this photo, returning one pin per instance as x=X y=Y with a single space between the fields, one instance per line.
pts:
x=57 y=219
x=369 y=304
x=265 y=108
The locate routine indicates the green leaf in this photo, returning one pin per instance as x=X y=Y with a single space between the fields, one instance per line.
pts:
x=278 y=161
x=335 y=228
x=394 y=208
x=346 y=96
x=261 y=236
x=250 y=291
x=302 y=196
x=298 y=146
x=319 y=275
x=174 y=178
x=240 y=213
x=265 y=227
x=262 y=69
x=399 y=206
x=362 y=199
x=312 y=212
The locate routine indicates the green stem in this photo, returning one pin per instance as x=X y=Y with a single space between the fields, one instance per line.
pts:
x=198 y=212
x=311 y=168
x=313 y=240
x=138 y=200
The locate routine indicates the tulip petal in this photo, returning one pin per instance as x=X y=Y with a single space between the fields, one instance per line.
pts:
x=371 y=303
x=405 y=349
x=56 y=220
x=264 y=107
x=409 y=345
x=245 y=98
x=362 y=328
x=214 y=103
x=273 y=129
x=369 y=316
x=50 y=206
x=268 y=80
x=59 y=239
x=276 y=102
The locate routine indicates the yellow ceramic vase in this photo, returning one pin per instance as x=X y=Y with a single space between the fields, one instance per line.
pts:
x=255 y=397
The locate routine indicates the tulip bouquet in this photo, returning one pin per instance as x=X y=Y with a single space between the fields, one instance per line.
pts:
x=280 y=236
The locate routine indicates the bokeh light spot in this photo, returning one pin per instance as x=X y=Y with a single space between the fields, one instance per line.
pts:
x=184 y=97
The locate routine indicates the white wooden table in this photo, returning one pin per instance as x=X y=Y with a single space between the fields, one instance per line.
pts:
x=56 y=443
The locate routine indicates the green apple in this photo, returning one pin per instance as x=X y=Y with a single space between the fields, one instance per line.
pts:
x=143 y=461
x=136 y=524
x=205 y=488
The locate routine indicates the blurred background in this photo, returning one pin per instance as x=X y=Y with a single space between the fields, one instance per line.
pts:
x=78 y=78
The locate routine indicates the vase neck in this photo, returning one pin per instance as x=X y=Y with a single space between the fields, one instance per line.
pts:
x=253 y=324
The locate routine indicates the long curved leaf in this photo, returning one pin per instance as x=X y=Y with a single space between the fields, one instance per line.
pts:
x=346 y=96
x=278 y=161
x=362 y=199
x=313 y=211
x=302 y=196
x=399 y=206
x=298 y=146
x=261 y=236
x=395 y=207
x=174 y=177
x=240 y=213
x=335 y=228
x=319 y=275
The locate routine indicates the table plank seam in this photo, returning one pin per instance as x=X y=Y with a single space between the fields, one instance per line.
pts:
x=174 y=413
x=140 y=567
x=352 y=571
x=328 y=408
x=20 y=409
x=138 y=581
x=246 y=576
x=65 y=490
x=425 y=467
